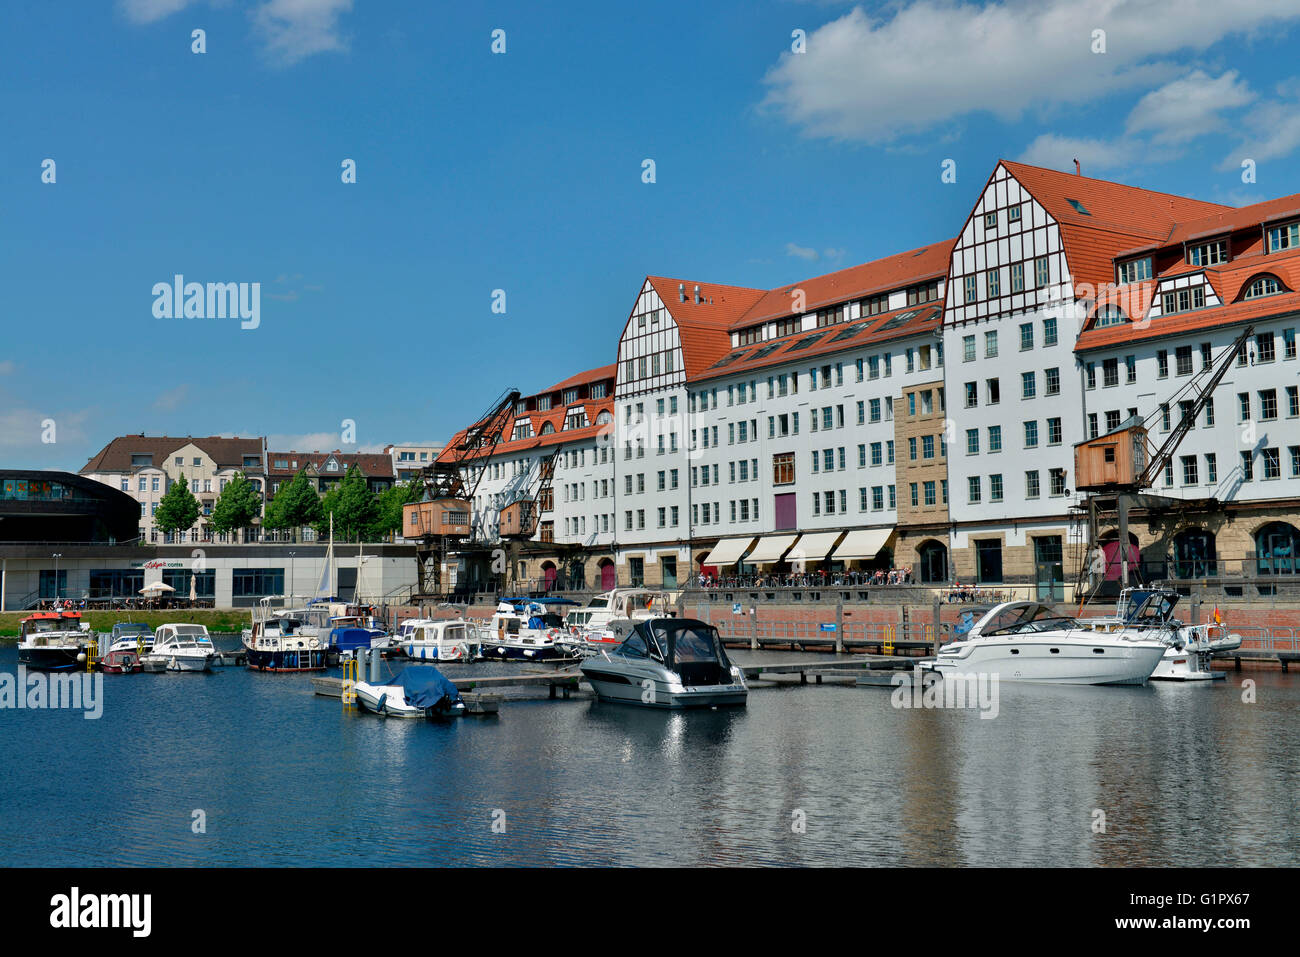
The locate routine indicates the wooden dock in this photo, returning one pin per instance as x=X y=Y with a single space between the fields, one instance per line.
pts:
x=558 y=682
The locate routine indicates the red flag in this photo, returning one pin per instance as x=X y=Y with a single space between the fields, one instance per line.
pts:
x=1218 y=619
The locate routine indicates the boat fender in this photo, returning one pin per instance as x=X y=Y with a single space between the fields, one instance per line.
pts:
x=314 y=643
x=380 y=705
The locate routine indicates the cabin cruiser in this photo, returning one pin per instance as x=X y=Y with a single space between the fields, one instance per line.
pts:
x=442 y=640
x=419 y=691
x=352 y=627
x=54 y=641
x=1189 y=648
x=127 y=645
x=667 y=663
x=287 y=639
x=522 y=629
x=180 y=647
x=608 y=618
x=1029 y=641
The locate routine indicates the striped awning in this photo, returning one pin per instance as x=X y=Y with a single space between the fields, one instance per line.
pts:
x=863 y=543
x=813 y=547
x=729 y=551
x=770 y=549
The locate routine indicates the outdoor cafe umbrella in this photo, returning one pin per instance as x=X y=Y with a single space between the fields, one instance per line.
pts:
x=194 y=589
x=156 y=586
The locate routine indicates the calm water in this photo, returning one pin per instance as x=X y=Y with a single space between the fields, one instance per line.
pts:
x=1185 y=775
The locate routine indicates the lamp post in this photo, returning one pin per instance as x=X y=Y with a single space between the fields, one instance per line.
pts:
x=290 y=589
x=57 y=590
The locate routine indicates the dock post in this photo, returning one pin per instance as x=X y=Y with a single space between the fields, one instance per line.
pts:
x=374 y=666
x=937 y=613
x=839 y=627
x=753 y=628
x=1196 y=604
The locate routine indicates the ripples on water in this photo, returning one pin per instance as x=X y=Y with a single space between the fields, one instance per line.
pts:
x=1186 y=775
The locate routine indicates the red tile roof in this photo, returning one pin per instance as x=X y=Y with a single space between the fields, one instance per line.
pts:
x=856 y=282
x=224 y=451
x=371 y=464
x=584 y=378
x=827 y=340
x=703 y=327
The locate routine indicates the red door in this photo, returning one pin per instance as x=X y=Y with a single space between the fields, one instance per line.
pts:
x=786 y=517
x=1114 y=571
x=607 y=577
x=548 y=572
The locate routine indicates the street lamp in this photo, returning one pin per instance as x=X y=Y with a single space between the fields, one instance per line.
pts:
x=57 y=590
x=291 y=554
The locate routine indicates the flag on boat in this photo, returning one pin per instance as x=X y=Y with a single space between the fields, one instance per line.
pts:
x=1218 y=619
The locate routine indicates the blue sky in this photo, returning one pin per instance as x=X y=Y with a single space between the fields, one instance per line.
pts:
x=522 y=171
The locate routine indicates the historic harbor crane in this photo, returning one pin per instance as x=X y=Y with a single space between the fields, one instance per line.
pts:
x=1117 y=468
x=442 y=519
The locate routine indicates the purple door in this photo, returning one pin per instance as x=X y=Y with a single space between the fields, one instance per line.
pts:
x=785 y=511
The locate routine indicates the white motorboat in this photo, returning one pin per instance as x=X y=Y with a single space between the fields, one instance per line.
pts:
x=442 y=640
x=285 y=638
x=1189 y=649
x=180 y=647
x=523 y=630
x=668 y=663
x=419 y=691
x=608 y=618
x=1029 y=641
x=54 y=641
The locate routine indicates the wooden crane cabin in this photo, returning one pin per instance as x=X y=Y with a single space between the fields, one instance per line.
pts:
x=1112 y=461
x=443 y=516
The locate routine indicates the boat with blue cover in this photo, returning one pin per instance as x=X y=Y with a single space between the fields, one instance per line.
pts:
x=418 y=691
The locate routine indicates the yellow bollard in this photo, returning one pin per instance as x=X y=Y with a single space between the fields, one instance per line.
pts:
x=887 y=646
x=349 y=696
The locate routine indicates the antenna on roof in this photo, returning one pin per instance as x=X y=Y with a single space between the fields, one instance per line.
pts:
x=1078 y=170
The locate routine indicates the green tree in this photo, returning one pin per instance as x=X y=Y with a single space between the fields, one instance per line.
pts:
x=391 y=500
x=178 y=509
x=239 y=504
x=295 y=505
x=353 y=506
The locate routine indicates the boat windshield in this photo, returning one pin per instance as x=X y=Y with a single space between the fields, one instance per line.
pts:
x=1150 y=608
x=43 y=625
x=123 y=631
x=683 y=640
x=1019 y=618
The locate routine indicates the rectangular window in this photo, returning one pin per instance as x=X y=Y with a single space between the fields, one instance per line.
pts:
x=1183 y=360
x=1042 y=272
x=1031 y=484
x=1028 y=384
x=972 y=441
x=1031 y=434
x=1017 y=277
x=968 y=348
x=973 y=489
x=995 y=488
x=990 y=345
x=972 y=288
x=1053 y=381
x=994 y=283
x=995 y=438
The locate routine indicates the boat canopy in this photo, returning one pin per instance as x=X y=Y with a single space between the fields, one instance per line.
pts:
x=1149 y=607
x=683 y=641
x=424 y=686
x=1017 y=617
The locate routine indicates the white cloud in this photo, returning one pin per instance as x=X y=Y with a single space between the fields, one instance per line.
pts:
x=290 y=30
x=316 y=442
x=172 y=399
x=1188 y=107
x=934 y=62
x=147 y=11
x=295 y=29
x=800 y=252
x=1059 y=152
x=1269 y=131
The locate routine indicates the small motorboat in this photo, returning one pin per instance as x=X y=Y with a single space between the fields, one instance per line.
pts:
x=287 y=639
x=442 y=640
x=129 y=642
x=1189 y=650
x=667 y=663
x=524 y=630
x=180 y=647
x=419 y=691
x=54 y=641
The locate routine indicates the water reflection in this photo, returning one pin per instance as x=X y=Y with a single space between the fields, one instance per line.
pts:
x=818 y=775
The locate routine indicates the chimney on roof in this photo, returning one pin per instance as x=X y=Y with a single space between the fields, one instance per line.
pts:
x=681 y=291
x=698 y=298
x=1078 y=170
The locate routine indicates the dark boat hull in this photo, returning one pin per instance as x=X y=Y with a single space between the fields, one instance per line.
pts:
x=50 y=659
x=303 y=660
x=497 y=651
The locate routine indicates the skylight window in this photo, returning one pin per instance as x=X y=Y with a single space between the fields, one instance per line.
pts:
x=1078 y=207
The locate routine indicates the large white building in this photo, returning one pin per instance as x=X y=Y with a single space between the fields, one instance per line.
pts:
x=922 y=410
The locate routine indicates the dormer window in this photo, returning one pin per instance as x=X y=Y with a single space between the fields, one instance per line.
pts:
x=598 y=390
x=788 y=327
x=747 y=337
x=1208 y=254
x=570 y=396
x=543 y=403
x=926 y=292
x=1110 y=315
x=1262 y=286
x=1135 y=270
x=874 y=306
x=1283 y=237
x=830 y=316
x=1183 y=300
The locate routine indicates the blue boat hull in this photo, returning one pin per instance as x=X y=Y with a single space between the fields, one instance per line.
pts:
x=496 y=651
x=305 y=660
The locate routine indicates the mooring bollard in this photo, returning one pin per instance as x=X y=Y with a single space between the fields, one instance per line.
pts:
x=374 y=666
